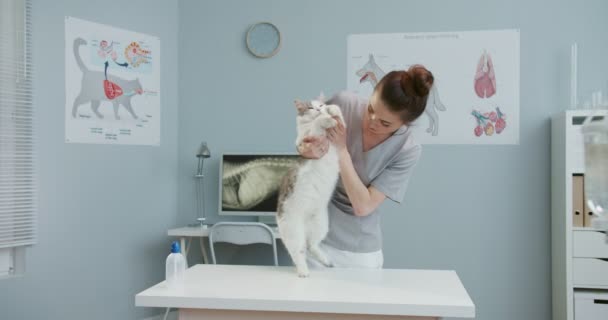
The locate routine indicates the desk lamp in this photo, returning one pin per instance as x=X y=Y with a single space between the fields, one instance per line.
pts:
x=203 y=153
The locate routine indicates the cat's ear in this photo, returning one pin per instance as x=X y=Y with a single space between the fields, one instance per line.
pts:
x=301 y=106
x=321 y=97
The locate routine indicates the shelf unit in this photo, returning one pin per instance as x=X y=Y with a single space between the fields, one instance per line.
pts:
x=579 y=254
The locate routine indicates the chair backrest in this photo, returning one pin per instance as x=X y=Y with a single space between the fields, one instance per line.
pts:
x=242 y=233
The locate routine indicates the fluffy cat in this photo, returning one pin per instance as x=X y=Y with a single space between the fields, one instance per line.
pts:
x=306 y=189
x=92 y=88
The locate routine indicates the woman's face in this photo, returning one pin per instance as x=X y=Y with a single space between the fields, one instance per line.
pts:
x=379 y=119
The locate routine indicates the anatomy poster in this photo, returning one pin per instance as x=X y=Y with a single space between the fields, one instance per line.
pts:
x=112 y=85
x=475 y=98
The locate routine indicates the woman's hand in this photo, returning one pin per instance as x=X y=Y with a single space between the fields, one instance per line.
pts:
x=313 y=147
x=337 y=135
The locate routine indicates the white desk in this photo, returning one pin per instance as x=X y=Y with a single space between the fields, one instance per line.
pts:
x=199 y=232
x=231 y=292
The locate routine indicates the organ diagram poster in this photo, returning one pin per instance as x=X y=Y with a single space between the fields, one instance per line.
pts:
x=475 y=98
x=112 y=85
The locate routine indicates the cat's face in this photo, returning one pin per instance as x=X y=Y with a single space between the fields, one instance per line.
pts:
x=310 y=110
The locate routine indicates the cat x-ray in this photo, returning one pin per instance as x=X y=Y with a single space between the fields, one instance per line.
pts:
x=112 y=85
x=250 y=183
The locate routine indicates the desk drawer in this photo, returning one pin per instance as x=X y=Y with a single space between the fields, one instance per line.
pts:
x=590 y=305
x=589 y=244
x=590 y=272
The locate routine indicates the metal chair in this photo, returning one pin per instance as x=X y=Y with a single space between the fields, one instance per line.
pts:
x=242 y=233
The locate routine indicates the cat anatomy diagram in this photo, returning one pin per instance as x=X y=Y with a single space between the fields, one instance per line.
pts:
x=476 y=81
x=112 y=85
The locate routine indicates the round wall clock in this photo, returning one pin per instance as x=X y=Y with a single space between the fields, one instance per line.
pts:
x=263 y=40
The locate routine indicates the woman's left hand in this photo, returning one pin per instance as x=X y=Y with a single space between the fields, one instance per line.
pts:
x=337 y=135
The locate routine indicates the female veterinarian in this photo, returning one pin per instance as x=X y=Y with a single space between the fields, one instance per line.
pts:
x=377 y=155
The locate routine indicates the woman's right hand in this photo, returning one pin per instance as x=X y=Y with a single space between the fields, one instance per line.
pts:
x=313 y=147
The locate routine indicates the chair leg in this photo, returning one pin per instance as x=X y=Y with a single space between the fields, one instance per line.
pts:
x=204 y=250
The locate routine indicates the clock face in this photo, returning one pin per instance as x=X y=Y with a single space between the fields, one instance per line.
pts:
x=263 y=39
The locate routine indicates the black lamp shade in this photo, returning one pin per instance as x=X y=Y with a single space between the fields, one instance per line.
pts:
x=203 y=151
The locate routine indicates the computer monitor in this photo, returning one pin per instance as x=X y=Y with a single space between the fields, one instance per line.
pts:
x=249 y=182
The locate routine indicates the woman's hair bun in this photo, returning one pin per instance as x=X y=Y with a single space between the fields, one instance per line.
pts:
x=417 y=80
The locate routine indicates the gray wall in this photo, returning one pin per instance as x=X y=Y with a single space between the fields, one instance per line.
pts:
x=481 y=210
x=104 y=210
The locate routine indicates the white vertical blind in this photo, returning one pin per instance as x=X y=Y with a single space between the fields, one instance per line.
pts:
x=18 y=176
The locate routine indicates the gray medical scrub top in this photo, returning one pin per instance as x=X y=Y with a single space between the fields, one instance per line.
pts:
x=388 y=167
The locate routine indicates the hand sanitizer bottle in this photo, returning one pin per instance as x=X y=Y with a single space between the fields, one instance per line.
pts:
x=175 y=267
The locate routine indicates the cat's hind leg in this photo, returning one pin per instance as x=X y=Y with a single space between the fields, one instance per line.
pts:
x=116 y=105
x=318 y=253
x=77 y=102
x=95 y=107
x=294 y=239
x=129 y=108
x=316 y=233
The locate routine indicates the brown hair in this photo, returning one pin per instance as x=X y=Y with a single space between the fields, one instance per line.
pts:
x=406 y=92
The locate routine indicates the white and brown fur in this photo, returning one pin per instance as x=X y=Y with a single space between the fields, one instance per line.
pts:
x=305 y=191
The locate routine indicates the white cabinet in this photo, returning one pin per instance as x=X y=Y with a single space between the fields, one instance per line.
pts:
x=590 y=273
x=579 y=255
x=590 y=305
x=589 y=244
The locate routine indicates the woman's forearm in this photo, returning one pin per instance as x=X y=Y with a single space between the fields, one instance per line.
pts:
x=357 y=192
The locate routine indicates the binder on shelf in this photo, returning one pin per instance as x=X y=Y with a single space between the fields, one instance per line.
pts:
x=578 y=205
x=588 y=214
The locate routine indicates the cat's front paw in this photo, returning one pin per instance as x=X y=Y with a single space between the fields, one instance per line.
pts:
x=336 y=113
x=334 y=110
x=327 y=123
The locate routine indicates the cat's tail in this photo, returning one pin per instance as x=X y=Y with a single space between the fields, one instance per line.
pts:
x=77 y=43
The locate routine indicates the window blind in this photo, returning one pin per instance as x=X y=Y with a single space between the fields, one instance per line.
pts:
x=18 y=173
